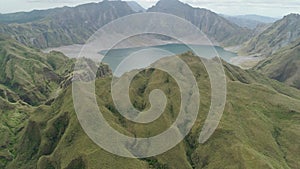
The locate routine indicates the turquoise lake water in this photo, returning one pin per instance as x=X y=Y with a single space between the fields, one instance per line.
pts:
x=141 y=57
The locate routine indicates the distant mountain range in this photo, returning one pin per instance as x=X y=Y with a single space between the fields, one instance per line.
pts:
x=258 y=18
x=250 y=21
x=280 y=34
x=216 y=27
x=65 y=26
x=62 y=26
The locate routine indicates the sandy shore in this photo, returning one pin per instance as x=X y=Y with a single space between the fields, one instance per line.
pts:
x=245 y=62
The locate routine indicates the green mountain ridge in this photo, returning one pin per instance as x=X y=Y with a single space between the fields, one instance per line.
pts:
x=28 y=79
x=29 y=73
x=259 y=128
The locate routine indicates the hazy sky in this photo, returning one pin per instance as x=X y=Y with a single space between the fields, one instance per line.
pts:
x=275 y=8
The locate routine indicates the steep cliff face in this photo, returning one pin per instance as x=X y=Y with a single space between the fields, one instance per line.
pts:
x=65 y=26
x=214 y=26
x=281 y=34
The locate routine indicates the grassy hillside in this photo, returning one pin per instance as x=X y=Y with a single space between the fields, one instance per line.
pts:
x=12 y=121
x=259 y=128
x=284 y=65
x=28 y=79
x=29 y=73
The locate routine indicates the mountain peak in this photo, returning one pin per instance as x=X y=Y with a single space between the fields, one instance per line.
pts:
x=292 y=16
x=135 y=6
x=167 y=3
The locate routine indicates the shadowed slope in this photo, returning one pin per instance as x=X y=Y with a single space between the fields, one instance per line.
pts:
x=283 y=65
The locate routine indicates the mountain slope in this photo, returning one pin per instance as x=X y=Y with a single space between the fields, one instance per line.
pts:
x=280 y=34
x=29 y=73
x=283 y=65
x=28 y=79
x=64 y=26
x=216 y=27
x=259 y=128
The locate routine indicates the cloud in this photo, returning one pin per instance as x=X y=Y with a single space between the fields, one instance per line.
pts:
x=59 y=1
x=275 y=8
x=249 y=3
